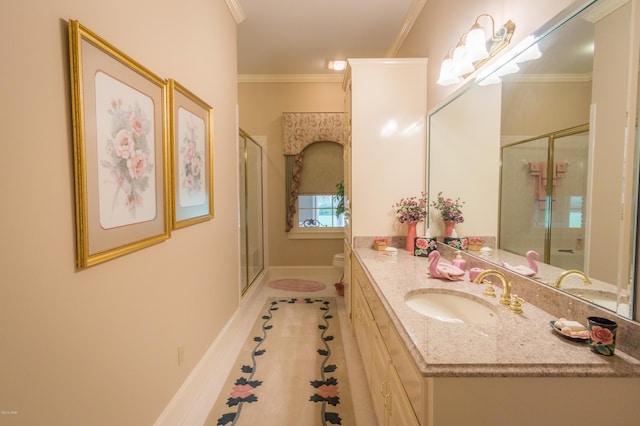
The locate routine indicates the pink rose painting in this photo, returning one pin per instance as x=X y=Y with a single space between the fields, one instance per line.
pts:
x=191 y=148
x=125 y=150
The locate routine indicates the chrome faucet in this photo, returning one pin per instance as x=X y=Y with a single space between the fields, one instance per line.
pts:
x=565 y=274
x=505 y=299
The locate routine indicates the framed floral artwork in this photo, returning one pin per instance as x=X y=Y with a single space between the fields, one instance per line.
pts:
x=121 y=150
x=192 y=156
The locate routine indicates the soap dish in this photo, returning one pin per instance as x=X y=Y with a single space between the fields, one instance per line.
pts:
x=576 y=338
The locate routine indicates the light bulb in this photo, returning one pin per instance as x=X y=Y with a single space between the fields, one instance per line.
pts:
x=476 y=45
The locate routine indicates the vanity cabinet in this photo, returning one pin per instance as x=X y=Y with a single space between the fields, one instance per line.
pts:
x=375 y=336
x=516 y=372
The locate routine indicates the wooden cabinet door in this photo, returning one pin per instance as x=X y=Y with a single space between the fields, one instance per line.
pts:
x=401 y=412
x=380 y=392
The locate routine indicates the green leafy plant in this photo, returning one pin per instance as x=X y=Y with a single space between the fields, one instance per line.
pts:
x=340 y=196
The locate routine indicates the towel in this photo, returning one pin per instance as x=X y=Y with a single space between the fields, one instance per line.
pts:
x=539 y=172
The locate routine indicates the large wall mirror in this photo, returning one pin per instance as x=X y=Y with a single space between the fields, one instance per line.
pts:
x=542 y=147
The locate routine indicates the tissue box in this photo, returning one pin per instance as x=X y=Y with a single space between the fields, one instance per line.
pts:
x=457 y=243
x=422 y=246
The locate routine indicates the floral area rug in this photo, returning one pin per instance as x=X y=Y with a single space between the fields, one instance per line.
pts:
x=293 y=284
x=290 y=371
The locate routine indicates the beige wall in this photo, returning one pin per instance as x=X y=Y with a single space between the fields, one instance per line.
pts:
x=261 y=106
x=555 y=106
x=99 y=346
x=610 y=85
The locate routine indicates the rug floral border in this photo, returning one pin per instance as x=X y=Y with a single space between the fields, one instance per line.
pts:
x=324 y=388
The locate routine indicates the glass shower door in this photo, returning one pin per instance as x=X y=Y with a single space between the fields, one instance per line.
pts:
x=251 y=210
x=523 y=213
x=543 y=197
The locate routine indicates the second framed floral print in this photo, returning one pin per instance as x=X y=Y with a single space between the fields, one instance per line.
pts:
x=192 y=156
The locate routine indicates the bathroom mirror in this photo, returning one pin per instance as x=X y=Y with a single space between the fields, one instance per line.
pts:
x=552 y=163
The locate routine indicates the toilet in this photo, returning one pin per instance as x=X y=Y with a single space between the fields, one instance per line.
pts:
x=338 y=263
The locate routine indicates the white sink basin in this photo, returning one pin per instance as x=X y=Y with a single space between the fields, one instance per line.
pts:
x=452 y=306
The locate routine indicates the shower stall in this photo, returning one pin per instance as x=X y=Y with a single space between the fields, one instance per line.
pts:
x=251 y=210
x=543 y=197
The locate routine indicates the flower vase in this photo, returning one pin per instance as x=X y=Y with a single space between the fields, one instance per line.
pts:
x=448 y=227
x=411 y=236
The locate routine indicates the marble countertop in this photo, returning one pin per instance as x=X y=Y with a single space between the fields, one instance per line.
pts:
x=516 y=345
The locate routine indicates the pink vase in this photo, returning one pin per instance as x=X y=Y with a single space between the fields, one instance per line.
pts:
x=448 y=227
x=411 y=236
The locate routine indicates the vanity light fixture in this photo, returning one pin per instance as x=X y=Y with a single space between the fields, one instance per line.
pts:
x=337 y=65
x=447 y=76
x=526 y=50
x=473 y=50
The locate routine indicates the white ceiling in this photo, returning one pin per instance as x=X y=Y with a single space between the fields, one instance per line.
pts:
x=299 y=37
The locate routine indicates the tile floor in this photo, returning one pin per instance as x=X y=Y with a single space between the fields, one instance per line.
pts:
x=235 y=334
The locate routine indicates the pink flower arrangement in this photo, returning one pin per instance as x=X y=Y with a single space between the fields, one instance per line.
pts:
x=448 y=208
x=412 y=209
x=191 y=161
x=128 y=152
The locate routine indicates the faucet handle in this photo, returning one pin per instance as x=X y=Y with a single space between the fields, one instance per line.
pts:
x=516 y=304
x=489 y=291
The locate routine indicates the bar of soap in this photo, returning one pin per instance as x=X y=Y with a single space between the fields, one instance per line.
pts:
x=564 y=324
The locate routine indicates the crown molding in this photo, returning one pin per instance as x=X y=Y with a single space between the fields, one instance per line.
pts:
x=290 y=78
x=602 y=9
x=412 y=15
x=236 y=10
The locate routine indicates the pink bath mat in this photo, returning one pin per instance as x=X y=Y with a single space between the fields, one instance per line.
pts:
x=293 y=284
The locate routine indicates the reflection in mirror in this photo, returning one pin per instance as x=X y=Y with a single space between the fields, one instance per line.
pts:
x=545 y=169
x=550 y=199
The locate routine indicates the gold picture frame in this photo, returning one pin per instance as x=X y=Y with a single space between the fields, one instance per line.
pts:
x=120 y=146
x=191 y=130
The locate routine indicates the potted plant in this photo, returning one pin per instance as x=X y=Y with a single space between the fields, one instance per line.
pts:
x=340 y=198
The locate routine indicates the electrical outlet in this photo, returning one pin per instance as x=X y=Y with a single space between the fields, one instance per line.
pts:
x=180 y=353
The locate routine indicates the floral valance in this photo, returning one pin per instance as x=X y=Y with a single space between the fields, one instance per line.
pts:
x=300 y=129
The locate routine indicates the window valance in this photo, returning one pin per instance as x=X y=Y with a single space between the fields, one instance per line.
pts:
x=300 y=129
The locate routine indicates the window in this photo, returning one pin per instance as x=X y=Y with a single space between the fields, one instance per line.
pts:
x=317 y=200
x=316 y=218
x=575 y=211
x=319 y=211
